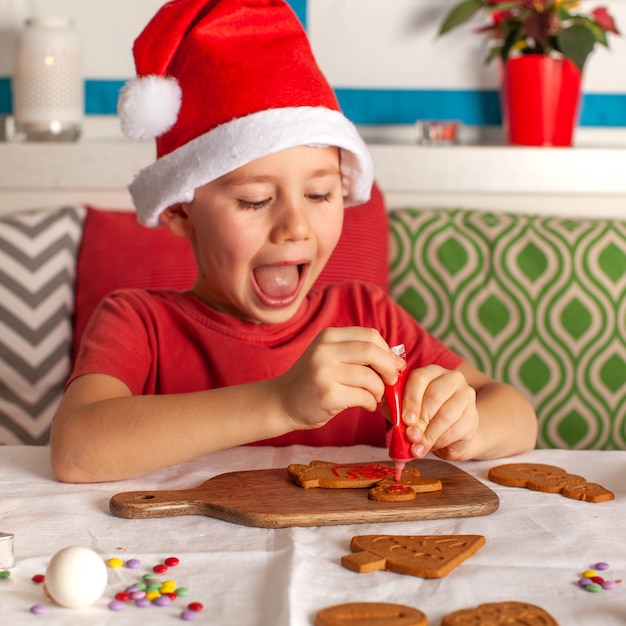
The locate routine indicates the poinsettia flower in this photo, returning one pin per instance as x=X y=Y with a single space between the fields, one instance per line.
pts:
x=536 y=27
x=604 y=20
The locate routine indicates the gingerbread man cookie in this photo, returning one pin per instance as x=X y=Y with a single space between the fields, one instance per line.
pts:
x=550 y=479
x=327 y=475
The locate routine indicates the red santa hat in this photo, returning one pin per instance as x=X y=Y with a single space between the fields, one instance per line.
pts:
x=221 y=83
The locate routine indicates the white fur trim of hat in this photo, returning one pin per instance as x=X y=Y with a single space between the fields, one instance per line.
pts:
x=174 y=177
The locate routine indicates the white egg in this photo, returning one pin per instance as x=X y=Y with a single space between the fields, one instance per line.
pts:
x=76 y=577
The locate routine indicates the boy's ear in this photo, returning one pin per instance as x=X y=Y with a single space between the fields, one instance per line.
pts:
x=177 y=220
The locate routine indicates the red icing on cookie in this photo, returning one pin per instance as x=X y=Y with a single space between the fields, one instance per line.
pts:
x=370 y=470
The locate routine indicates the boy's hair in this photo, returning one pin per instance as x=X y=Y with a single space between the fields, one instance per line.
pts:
x=221 y=83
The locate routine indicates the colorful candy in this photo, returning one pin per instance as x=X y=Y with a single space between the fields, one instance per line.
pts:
x=592 y=582
x=5 y=573
x=189 y=616
x=148 y=591
x=116 y=605
x=151 y=591
x=163 y=601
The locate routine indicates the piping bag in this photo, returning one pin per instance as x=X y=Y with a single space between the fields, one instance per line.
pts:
x=399 y=444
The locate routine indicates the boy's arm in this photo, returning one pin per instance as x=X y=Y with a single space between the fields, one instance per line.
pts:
x=102 y=432
x=507 y=421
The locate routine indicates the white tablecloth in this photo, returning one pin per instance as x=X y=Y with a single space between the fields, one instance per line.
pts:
x=537 y=545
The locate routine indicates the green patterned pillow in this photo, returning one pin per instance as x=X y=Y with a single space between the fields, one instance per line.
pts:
x=539 y=302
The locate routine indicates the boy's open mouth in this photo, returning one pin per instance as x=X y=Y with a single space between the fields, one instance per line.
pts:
x=279 y=284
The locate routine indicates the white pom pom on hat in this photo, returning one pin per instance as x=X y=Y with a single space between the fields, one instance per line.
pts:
x=221 y=83
x=148 y=106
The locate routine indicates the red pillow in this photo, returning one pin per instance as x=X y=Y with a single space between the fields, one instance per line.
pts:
x=118 y=252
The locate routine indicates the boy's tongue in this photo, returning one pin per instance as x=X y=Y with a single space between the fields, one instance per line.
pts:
x=277 y=281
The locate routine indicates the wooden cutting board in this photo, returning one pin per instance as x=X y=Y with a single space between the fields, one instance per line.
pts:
x=268 y=498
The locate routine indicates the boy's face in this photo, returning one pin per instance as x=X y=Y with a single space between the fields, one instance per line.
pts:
x=263 y=233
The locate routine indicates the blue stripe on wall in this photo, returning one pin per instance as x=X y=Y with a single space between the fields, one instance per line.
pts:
x=472 y=107
x=387 y=106
x=603 y=110
x=5 y=95
x=101 y=96
x=299 y=8
x=404 y=106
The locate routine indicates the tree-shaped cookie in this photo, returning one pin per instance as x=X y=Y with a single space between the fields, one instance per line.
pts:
x=426 y=556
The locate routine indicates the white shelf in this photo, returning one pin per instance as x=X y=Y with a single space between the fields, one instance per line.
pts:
x=581 y=180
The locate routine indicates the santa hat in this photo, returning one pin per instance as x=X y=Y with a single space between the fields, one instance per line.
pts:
x=221 y=83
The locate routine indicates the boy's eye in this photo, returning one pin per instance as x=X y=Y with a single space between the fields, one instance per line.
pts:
x=318 y=197
x=252 y=204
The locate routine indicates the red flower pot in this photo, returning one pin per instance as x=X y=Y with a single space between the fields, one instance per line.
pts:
x=540 y=100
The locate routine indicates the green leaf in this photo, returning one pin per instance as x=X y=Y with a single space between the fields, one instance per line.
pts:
x=460 y=14
x=599 y=33
x=576 y=43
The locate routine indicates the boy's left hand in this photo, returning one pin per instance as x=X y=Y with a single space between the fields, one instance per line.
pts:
x=439 y=408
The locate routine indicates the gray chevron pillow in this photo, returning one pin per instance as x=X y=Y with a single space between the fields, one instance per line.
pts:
x=38 y=251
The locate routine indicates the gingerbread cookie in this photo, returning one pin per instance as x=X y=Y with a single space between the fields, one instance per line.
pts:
x=554 y=483
x=327 y=475
x=392 y=492
x=501 y=614
x=388 y=490
x=588 y=492
x=370 y=614
x=426 y=556
x=518 y=474
x=550 y=479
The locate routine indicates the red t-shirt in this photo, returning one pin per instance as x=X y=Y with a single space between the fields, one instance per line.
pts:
x=166 y=341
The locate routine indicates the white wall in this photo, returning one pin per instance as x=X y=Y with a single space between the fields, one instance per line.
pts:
x=359 y=43
x=107 y=30
x=394 y=43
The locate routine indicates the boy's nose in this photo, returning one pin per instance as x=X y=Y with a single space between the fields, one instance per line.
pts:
x=292 y=222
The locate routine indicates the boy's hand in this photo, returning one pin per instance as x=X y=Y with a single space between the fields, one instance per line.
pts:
x=440 y=411
x=342 y=368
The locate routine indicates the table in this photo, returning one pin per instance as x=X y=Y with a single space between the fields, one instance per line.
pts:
x=537 y=545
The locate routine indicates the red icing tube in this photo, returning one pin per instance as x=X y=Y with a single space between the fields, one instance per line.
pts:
x=399 y=445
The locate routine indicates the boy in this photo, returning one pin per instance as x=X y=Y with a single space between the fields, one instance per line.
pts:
x=255 y=163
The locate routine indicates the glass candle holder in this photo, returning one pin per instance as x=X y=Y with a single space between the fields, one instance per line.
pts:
x=48 y=92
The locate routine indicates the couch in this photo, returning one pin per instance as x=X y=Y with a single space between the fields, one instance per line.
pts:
x=536 y=301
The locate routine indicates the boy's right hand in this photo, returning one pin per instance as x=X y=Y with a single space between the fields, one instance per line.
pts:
x=342 y=368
